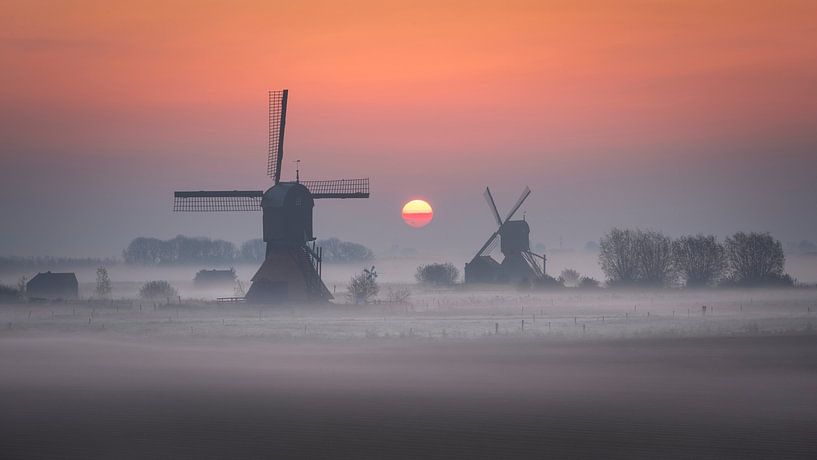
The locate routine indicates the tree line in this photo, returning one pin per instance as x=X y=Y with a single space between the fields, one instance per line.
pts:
x=15 y=264
x=196 y=250
x=646 y=258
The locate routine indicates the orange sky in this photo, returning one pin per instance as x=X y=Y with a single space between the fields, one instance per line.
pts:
x=456 y=74
x=407 y=91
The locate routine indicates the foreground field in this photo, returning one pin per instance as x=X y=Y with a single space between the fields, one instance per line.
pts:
x=440 y=314
x=638 y=398
x=454 y=374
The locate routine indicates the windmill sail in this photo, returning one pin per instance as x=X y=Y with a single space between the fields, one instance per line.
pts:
x=489 y=245
x=339 y=188
x=277 y=125
x=217 y=201
x=490 y=199
x=519 y=202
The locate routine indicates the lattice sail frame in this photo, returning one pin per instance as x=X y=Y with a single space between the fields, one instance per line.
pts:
x=218 y=201
x=338 y=188
x=276 y=129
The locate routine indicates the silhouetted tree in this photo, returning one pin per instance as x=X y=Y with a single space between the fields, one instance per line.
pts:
x=445 y=274
x=103 y=283
x=755 y=259
x=654 y=254
x=618 y=256
x=253 y=250
x=143 y=251
x=699 y=259
x=335 y=250
x=179 y=250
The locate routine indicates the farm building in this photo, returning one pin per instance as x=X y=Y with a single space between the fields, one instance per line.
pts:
x=215 y=278
x=53 y=286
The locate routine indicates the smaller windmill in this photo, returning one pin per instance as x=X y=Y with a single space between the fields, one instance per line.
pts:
x=519 y=263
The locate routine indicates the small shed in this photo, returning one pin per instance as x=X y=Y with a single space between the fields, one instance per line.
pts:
x=53 y=286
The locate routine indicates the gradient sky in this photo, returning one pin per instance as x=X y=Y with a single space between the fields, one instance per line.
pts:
x=683 y=116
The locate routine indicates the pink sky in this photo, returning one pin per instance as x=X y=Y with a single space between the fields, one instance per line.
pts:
x=684 y=116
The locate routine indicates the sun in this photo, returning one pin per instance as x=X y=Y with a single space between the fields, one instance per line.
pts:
x=417 y=213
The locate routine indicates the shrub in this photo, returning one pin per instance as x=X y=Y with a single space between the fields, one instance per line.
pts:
x=9 y=294
x=570 y=277
x=155 y=290
x=437 y=274
x=363 y=286
x=548 y=281
x=588 y=283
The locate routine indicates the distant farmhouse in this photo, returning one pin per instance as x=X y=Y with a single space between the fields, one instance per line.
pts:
x=53 y=286
x=214 y=278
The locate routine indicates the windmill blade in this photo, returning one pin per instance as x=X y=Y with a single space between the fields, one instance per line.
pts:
x=490 y=248
x=340 y=188
x=519 y=202
x=217 y=201
x=277 y=124
x=530 y=258
x=489 y=245
x=490 y=199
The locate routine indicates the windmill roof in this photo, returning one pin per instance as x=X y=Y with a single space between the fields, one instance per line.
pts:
x=61 y=277
x=277 y=194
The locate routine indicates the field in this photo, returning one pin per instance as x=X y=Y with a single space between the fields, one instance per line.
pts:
x=477 y=373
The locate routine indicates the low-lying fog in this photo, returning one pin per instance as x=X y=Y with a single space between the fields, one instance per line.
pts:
x=485 y=372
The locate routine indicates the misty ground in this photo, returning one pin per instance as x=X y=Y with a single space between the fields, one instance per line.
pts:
x=454 y=373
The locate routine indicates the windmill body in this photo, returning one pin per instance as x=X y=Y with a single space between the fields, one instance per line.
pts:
x=291 y=270
x=519 y=263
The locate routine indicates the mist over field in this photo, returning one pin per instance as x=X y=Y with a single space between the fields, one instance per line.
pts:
x=462 y=370
x=479 y=373
x=280 y=229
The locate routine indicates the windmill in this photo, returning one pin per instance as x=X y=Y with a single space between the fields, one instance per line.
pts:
x=519 y=264
x=292 y=265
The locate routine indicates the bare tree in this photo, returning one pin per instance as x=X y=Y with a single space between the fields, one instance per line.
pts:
x=654 y=254
x=755 y=259
x=103 y=283
x=363 y=286
x=699 y=259
x=618 y=257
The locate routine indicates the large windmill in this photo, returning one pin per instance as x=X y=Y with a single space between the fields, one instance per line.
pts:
x=292 y=266
x=519 y=264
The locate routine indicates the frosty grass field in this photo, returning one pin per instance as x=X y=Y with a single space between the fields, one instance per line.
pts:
x=481 y=372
